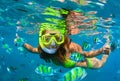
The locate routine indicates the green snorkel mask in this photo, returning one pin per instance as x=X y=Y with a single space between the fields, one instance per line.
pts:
x=48 y=38
x=49 y=41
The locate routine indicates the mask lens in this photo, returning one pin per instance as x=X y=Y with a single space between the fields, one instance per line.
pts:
x=46 y=38
x=58 y=38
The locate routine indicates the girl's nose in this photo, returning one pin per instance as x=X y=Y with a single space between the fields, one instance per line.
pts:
x=53 y=43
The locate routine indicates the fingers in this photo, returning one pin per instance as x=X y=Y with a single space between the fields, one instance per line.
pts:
x=106 y=49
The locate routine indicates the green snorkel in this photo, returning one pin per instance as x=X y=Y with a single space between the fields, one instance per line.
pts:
x=53 y=22
x=43 y=38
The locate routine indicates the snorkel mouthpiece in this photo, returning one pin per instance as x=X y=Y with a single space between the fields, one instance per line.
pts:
x=50 y=50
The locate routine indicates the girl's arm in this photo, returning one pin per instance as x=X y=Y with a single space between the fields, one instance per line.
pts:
x=77 y=48
x=30 y=48
x=103 y=50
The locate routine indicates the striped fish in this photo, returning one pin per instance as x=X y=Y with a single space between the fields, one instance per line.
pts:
x=76 y=57
x=85 y=45
x=45 y=70
x=75 y=74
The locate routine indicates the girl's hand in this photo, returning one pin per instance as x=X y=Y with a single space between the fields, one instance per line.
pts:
x=18 y=41
x=106 y=49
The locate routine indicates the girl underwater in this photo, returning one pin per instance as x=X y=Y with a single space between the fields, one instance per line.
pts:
x=55 y=44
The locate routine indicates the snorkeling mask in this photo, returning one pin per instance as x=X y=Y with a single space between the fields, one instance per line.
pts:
x=48 y=38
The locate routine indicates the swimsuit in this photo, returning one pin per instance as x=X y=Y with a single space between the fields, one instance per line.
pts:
x=70 y=62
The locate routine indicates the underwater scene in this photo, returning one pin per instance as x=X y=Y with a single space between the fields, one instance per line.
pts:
x=59 y=40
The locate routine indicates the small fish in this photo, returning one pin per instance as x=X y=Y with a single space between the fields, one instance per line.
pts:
x=11 y=69
x=22 y=10
x=7 y=48
x=45 y=70
x=85 y=45
x=97 y=40
x=76 y=57
x=76 y=74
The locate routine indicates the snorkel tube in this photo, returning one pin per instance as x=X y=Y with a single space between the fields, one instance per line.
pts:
x=52 y=22
x=42 y=30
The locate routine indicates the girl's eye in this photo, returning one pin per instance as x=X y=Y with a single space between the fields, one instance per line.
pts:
x=47 y=38
x=58 y=38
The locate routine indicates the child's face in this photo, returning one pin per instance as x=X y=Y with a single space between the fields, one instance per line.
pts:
x=52 y=38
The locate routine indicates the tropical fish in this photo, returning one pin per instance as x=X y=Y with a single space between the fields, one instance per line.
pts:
x=11 y=69
x=75 y=74
x=85 y=45
x=97 y=40
x=6 y=46
x=76 y=57
x=45 y=70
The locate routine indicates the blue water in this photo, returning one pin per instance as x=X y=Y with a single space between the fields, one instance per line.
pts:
x=18 y=16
